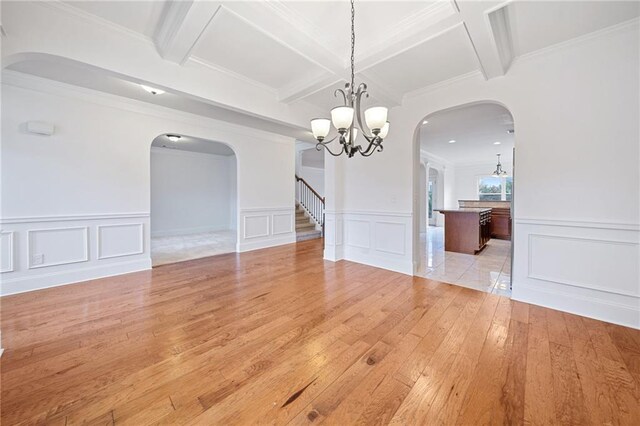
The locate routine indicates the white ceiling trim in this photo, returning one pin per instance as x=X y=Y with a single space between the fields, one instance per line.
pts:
x=298 y=89
x=499 y=22
x=441 y=84
x=230 y=73
x=84 y=16
x=182 y=25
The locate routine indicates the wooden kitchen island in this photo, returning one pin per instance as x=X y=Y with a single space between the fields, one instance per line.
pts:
x=466 y=230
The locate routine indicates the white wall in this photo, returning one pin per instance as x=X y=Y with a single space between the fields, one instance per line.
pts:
x=576 y=109
x=81 y=198
x=191 y=192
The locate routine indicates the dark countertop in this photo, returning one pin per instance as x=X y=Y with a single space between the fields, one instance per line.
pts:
x=465 y=210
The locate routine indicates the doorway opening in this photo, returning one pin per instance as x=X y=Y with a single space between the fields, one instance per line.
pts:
x=468 y=235
x=193 y=199
x=310 y=199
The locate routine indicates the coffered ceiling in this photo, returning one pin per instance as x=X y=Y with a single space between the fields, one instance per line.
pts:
x=299 y=50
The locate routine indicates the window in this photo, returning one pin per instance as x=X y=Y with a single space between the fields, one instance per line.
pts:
x=492 y=188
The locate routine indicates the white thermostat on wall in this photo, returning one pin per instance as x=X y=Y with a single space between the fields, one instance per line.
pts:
x=40 y=128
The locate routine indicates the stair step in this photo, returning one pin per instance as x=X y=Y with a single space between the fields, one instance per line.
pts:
x=308 y=235
x=309 y=227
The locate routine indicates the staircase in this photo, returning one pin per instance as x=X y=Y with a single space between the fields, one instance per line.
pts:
x=309 y=212
x=305 y=226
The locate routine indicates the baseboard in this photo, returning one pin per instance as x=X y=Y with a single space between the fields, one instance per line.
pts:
x=333 y=253
x=55 y=279
x=401 y=266
x=587 y=306
x=265 y=243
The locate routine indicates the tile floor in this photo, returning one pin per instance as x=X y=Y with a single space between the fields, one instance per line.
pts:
x=193 y=246
x=489 y=271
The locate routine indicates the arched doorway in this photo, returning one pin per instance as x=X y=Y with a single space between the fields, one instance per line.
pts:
x=193 y=198
x=469 y=207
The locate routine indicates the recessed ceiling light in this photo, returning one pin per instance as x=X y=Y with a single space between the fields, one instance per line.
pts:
x=452 y=141
x=425 y=122
x=152 y=90
x=497 y=143
x=174 y=138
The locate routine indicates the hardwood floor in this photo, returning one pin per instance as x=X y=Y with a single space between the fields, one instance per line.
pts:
x=280 y=336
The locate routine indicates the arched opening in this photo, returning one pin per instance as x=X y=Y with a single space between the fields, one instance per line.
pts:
x=463 y=233
x=194 y=211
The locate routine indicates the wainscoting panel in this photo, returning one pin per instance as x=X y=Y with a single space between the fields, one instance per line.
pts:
x=57 y=246
x=282 y=223
x=120 y=240
x=358 y=233
x=256 y=226
x=56 y=250
x=266 y=227
x=590 y=269
x=6 y=252
x=379 y=239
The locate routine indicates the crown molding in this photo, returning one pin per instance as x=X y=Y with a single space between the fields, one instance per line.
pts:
x=56 y=88
x=585 y=38
x=441 y=84
x=77 y=13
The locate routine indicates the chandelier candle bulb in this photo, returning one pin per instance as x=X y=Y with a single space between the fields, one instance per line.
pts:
x=375 y=118
x=342 y=117
x=320 y=127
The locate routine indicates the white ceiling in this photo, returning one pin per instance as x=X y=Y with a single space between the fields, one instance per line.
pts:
x=191 y=144
x=299 y=50
x=139 y=16
x=475 y=129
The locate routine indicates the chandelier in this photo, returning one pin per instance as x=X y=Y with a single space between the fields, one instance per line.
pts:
x=347 y=119
x=498 y=171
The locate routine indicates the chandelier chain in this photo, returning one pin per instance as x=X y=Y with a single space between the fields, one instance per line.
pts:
x=353 y=43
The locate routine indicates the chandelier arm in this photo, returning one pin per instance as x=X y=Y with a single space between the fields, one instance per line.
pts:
x=362 y=89
x=319 y=144
x=373 y=144
x=344 y=95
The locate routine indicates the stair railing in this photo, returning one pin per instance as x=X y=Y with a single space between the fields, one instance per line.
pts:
x=310 y=201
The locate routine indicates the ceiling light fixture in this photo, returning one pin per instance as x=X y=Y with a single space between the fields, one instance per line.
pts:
x=452 y=141
x=344 y=117
x=497 y=143
x=174 y=138
x=498 y=172
x=152 y=90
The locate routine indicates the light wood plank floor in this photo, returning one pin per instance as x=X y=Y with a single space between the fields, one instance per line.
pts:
x=280 y=336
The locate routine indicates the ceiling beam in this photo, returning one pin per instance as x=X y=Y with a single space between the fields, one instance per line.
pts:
x=487 y=26
x=427 y=23
x=181 y=25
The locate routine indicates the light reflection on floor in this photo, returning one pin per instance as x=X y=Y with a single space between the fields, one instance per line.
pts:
x=193 y=246
x=489 y=271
